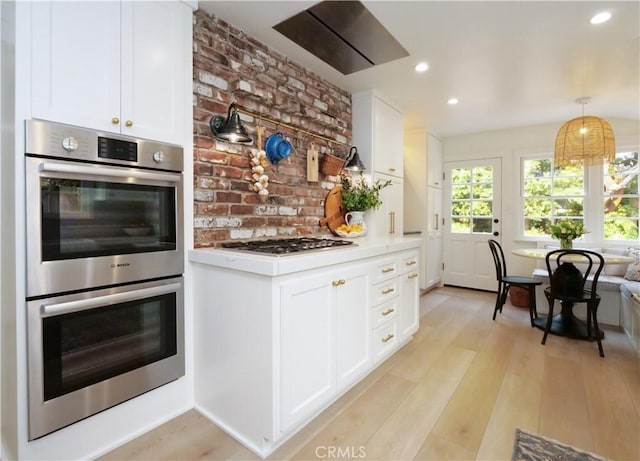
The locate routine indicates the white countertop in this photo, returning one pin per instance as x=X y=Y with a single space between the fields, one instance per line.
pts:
x=274 y=265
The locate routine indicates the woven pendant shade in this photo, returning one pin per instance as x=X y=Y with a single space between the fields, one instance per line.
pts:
x=585 y=140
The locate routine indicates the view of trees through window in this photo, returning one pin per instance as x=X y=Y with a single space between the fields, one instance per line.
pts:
x=559 y=193
x=471 y=199
x=621 y=197
x=550 y=194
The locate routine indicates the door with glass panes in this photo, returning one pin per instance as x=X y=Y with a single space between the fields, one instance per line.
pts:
x=472 y=208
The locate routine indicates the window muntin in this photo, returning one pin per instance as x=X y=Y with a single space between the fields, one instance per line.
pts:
x=622 y=197
x=472 y=200
x=551 y=193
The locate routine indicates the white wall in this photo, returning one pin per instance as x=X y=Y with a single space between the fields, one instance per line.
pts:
x=509 y=145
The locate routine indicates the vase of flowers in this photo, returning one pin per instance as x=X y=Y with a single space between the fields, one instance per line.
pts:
x=566 y=230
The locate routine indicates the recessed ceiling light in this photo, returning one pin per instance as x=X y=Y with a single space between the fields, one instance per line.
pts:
x=601 y=17
x=421 y=67
x=452 y=101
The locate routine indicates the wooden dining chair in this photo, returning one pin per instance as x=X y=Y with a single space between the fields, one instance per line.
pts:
x=505 y=282
x=571 y=285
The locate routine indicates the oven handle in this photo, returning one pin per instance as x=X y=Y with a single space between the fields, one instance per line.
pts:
x=86 y=304
x=113 y=172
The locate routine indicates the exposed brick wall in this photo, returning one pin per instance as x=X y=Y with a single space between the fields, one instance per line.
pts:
x=230 y=66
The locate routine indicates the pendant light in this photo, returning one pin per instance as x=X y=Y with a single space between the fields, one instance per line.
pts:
x=586 y=140
x=230 y=129
x=353 y=161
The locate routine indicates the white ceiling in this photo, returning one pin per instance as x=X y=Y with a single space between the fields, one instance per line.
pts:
x=510 y=63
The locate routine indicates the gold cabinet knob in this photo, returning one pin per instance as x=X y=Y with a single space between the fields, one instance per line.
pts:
x=115 y=120
x=128 y=123
x=335 y=283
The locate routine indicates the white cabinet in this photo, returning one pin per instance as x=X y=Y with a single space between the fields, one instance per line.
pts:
x=276 y=346
x=434 y=161
x=111 y=66
x=423 y=204
x=433 y=247
x=377 y=132
x=394 y=296
x=324 y=339
x=408 y=321
x=388 y=219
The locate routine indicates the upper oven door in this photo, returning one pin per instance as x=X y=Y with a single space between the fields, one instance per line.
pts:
x=98 y=225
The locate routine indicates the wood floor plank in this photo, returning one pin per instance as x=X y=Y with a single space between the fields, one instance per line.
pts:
x=608 y=405
x=403 y=433
x=563 y=409
x=437 y=400
x=350 y=430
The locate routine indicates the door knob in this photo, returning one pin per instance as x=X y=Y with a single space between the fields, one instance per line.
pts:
x=496 y=233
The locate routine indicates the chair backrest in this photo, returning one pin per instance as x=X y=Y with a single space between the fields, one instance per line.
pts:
x=566 y=280
x=498 y=259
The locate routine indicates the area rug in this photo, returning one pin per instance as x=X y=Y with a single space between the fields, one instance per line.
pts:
x=534 y=447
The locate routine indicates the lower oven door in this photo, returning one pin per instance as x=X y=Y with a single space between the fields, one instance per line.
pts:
x=92 y=350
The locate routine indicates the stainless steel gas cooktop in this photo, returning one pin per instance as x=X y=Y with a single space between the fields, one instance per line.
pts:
x=287 y=246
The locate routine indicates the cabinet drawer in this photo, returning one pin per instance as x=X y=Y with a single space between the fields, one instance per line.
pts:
x=384 y=291
x=384 y=313
x=384 y=340
x=385 y=270
x=408 y=262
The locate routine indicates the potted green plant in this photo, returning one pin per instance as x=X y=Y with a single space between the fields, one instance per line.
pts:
x=358 y=195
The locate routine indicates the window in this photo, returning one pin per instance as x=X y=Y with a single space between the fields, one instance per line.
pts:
x=565 y=193
x=471 y=199
x=621 y=195
x=549 y=194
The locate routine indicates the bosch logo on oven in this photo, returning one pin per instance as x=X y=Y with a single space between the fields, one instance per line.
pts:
x=114 y=266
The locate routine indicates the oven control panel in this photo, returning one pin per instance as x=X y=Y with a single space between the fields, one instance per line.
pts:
x=55 y=140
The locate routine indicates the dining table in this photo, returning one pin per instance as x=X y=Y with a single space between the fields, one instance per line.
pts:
x=566 y=323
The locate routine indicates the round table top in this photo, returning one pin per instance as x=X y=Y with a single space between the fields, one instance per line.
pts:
x=541 y=253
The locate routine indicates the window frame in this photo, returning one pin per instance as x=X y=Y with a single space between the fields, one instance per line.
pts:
x=593 y=211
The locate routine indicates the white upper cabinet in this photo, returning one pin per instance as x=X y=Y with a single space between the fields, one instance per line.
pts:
x=377 y=133
x=434 y=161
x=111 y=66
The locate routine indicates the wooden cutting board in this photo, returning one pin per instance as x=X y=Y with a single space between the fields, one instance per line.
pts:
x=312 y=163
x=333 y=210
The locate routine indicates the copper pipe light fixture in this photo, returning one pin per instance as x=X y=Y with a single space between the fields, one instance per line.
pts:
x=353 y=161
x=230 y=129
x=587 y=140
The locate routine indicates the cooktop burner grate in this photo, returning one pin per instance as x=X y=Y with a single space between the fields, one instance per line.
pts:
x=285 y=246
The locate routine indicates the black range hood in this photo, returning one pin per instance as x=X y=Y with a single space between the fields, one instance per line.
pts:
x=344 y=34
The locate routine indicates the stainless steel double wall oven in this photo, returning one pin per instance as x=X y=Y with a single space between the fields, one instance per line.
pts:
x=105 y=258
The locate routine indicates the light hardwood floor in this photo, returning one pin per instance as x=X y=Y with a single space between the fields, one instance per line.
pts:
x=456 y=392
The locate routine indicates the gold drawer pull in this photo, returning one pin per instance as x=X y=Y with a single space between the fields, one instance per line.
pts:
x=411 y=263
x=387 y=269
x=413 y=276
x=388 y=311
x=337 y=283
x=387 y=338
x=128 y=123
x=387 y=291
x=115 y=120
x=392 y=169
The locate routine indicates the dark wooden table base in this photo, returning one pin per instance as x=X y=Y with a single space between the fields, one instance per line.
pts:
x=566 y=324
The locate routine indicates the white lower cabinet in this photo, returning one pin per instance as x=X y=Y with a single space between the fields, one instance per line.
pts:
x=324 y=339
x=271 y=352
x=394 y=295
x=409 y=319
